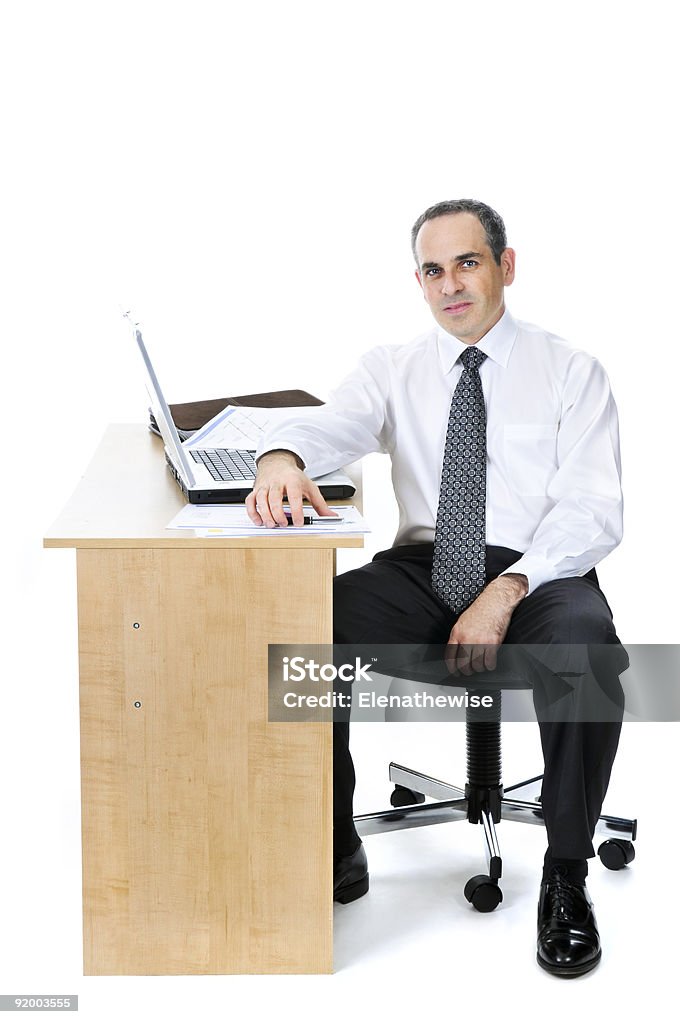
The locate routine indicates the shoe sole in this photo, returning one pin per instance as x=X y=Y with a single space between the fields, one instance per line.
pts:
x=569 y=972
x=352 y=892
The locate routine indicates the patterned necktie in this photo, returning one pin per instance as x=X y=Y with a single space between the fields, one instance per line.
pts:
x=458 y=564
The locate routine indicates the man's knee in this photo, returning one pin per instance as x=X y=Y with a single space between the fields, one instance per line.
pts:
x=389 y=601
x=343 y=605
x=571 y=611
x=351 y=606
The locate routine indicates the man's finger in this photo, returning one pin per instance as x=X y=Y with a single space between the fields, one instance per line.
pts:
x=262 y=504
x=450 y=657
x=251 y=508
x=276 y=504
x=490 y=657
x=477 y=658
x=317 y=501
x=464 y=659
x=295 y=502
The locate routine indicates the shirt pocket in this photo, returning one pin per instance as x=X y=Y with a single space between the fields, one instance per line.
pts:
x=530 y=452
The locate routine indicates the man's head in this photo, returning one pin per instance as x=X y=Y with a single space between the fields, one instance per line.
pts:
x=463 y=266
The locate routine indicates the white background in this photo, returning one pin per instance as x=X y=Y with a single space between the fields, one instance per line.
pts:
x=245 y=176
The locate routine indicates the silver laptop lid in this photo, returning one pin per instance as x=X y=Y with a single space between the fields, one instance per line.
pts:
x=161 y=412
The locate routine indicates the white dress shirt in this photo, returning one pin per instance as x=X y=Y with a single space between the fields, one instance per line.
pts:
x=553 y=484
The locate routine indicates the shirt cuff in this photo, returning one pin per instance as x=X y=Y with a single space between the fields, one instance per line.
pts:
x=537 y=571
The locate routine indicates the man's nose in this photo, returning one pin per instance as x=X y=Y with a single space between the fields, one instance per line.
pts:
x=450 y=283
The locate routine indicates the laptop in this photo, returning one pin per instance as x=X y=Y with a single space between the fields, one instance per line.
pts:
x=214 y=475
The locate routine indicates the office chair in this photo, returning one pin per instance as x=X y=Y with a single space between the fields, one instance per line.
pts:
x=485 y=801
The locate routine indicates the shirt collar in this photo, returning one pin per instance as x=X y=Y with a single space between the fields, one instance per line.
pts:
x=496 y=343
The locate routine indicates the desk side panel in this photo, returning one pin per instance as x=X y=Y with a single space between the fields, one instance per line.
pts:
x=206 y=830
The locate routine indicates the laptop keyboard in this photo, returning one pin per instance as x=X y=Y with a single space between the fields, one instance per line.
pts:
x=226 y=463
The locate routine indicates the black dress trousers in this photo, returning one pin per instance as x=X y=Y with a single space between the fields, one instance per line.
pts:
x=391 y=601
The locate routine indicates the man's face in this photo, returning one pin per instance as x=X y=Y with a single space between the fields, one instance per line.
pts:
x=461 y=281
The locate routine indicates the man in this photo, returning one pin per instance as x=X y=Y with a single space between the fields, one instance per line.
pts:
x=504 y=447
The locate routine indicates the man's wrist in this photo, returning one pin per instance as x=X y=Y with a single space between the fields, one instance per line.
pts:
x=282 y=453
x=514 y=584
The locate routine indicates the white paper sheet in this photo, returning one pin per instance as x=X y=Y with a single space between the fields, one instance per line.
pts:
x=234 y=521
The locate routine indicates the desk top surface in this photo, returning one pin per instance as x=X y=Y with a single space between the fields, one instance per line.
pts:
x=127 y=496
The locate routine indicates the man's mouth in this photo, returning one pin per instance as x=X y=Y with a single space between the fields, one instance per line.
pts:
x=457 y=307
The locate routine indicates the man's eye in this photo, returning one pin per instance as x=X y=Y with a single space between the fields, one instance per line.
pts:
x=470 y=263
x=432 y=271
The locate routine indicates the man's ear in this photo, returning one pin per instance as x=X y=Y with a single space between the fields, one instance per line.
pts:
x=418 y=278
x=508 y=265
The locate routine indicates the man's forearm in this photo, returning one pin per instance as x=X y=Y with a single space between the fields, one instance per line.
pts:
x=511 y=588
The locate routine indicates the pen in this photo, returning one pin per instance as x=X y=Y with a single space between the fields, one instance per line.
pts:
x=314 y=520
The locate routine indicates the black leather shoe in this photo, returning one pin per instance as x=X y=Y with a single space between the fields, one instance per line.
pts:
x=350 y=876
x=568 y=939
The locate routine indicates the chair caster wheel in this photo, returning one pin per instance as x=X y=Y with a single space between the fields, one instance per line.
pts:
x=403 y=797
x=483 y=893
x=616 y=853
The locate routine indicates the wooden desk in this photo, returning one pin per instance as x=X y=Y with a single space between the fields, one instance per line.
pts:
x=206 y=830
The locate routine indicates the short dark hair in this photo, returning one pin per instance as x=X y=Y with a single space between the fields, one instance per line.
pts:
x=491 y=221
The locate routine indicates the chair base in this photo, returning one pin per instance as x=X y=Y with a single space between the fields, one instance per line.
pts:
x=451 y=804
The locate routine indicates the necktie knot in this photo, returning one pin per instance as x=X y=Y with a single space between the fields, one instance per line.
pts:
x=472 y=358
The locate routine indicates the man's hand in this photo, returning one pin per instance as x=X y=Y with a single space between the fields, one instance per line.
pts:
x=280 y=473
x=479 y=631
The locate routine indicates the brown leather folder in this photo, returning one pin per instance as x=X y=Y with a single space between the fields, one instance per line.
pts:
x=190 y=416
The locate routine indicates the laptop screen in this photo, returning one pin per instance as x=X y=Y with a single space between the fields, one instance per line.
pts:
x=161 y=412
